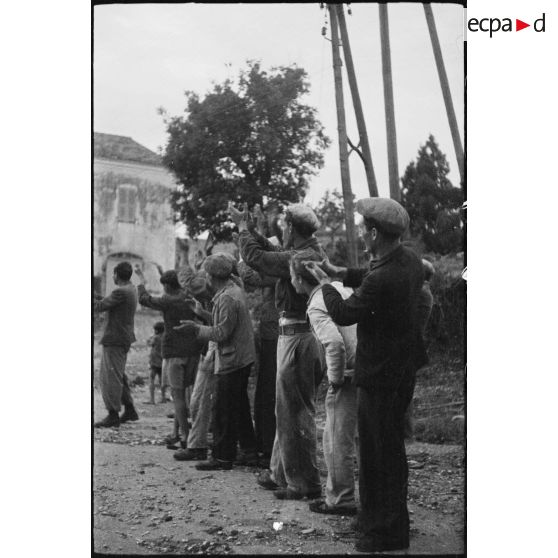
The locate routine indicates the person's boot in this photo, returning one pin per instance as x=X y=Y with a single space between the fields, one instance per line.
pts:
x=191 y=454
x=111 y=420
x=129 y=414
x=214 y=465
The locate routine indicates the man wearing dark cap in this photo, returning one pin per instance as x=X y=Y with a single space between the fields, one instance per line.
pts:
x=116 y=341
x=235 y=354
x=180 y=352
x=389 y=352
x=293 y=467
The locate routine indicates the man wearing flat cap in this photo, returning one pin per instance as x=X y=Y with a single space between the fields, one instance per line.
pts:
x=390 y=350
x=181 y=353
x=293 y=466
x=233 y=334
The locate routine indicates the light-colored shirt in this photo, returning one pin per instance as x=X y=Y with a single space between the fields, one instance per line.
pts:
x=339 y=342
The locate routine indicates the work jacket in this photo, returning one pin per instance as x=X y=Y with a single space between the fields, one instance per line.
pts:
x=121 y=307
x=268 y=259
x=385 y=307
x=231 y=330
x=175 y=307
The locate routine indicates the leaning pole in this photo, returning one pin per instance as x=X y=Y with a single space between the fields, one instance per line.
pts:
x=342 y=132
x=458 y=146
x=359 y=114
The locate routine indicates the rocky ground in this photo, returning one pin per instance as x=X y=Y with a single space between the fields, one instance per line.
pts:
x=145 y=502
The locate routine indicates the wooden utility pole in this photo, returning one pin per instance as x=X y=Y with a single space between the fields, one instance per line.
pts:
x=366 y=155
x=342 y=132
x=394 y=190
x=458 y=146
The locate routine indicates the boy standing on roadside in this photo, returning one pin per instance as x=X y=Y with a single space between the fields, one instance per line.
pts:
x=156 y=362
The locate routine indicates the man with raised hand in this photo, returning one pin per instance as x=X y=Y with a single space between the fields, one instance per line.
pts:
x=181 y=353
x=116 y=341
x=293 y=466
x=389 y=352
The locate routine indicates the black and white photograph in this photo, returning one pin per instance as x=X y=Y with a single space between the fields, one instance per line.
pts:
x=279 y=278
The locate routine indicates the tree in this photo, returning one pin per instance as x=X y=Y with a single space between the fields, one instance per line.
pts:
x=255 y=142
x=330 y=210
x=432 y=202
x=331 y=213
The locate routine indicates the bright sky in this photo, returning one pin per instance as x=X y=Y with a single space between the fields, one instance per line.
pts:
x=147 y=55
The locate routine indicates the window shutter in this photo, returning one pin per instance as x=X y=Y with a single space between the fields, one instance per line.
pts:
x=131 y=205
x=122 y=203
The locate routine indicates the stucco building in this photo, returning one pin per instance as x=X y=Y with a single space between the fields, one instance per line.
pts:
x=132 y=214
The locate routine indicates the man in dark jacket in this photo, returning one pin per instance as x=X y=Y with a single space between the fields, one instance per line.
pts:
x=293 y=466
x=118 y=336
x=180 y=352
x=389 y=352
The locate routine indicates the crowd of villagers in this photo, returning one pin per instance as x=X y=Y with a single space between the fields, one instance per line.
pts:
x=360 y=328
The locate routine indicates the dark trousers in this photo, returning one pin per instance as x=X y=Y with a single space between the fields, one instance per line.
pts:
x=264 y=400
x=231 y=419
x=383 y=470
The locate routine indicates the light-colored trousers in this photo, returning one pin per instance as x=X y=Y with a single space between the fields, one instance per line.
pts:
x=293 y=461
x=113 y=381
x=339 y=445
x=200 y=402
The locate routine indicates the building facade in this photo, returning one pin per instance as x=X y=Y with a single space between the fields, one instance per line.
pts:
x=132 y=215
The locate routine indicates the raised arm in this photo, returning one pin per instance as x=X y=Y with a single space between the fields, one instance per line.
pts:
x=254 y=279
x=359 y=305
x=145 y=299
x=275 y=264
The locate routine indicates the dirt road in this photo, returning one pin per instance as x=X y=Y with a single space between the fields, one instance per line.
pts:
x=146 y=502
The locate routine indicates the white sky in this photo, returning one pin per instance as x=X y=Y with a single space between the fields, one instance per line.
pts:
x=146 y=56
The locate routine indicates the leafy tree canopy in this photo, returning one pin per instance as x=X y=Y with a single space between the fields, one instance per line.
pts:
x=253 y=142
x=432 y=202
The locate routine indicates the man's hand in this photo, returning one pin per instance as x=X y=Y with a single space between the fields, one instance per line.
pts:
x=139 y=273
x=334 y=271
x=240 y=218
x=260 y=219
x=317 y=272
x=188 y=327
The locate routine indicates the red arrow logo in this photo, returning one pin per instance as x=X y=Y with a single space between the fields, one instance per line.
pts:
x=519 y=25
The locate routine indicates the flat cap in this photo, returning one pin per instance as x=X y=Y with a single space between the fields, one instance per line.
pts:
x=232 y=260
x=301 y=213
x=219 y=265
x=389 y=215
